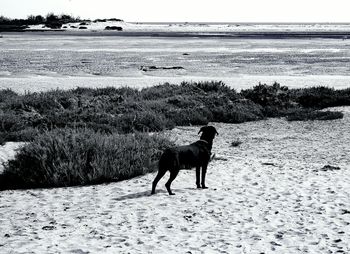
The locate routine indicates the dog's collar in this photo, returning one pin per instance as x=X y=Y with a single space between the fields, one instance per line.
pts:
x=204 y=141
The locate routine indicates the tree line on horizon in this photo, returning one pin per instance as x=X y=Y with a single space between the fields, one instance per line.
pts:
x=51 y=20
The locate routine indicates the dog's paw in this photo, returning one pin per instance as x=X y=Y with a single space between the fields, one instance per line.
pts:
x=204 y=187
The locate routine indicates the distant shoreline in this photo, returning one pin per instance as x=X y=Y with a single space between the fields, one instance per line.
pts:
x=231 y=35
x=239 y=23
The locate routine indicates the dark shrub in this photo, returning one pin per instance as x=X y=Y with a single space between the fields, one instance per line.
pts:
x=124 y=110
x=115 y=28
x=25 y=135
x=40 y=102
x=321 y=97
x=213 y=87
x=266 y=95
x=53 y=25
x=238 y=112
x=142 y=121
x=114 y=19
x=80 y=157
x=51 y=17
x=183 y=101
x=236 y=143
x=110 y=91
x=35 y=20
x=66 y=18
x=306 y=115
x=53 y=21
x=11 y=122
x=164 y=91
x=188 y=116
x=7 y=95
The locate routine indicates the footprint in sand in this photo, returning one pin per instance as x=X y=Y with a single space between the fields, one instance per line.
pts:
x=79 y=251
x=48 y=228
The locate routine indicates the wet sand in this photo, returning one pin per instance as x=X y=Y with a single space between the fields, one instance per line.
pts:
x=40 y=61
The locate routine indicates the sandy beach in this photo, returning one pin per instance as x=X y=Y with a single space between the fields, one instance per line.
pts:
x=271 y=194
x=94 y=93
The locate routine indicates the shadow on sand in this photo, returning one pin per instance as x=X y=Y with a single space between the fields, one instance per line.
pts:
x=137 y=195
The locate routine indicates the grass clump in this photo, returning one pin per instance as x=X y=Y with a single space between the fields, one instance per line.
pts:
x=236 y=143
x=311 y=115
x=274 y=99
x=298 y=104
x=321 y=97
x=81 y=156
x=7 y=94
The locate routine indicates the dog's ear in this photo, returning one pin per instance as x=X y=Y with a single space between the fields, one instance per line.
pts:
x=201 y=130
x=215 y=131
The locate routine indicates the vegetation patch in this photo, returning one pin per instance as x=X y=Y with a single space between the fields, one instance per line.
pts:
x=321 y=97
x=236 y=143
x=115 y=28
x=51 y=21
x=123 y=110
x=126 y=110
x=86 y=136
x=310 y=115
x=70 y=157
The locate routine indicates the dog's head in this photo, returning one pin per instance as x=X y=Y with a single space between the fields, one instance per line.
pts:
x=208 y=132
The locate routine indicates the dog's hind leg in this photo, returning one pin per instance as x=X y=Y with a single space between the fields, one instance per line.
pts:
x=198 y=175
x=204 y=172
x=173 y=174
x=161 y=173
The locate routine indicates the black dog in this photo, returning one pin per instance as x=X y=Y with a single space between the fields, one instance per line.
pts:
x=185 y=157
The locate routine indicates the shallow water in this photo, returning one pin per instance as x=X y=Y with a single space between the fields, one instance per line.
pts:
x=40 y=62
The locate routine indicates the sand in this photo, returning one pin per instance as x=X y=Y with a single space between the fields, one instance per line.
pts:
x=271 y=194
x=8 y=151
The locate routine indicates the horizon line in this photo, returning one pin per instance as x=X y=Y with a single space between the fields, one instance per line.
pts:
x=193 y=22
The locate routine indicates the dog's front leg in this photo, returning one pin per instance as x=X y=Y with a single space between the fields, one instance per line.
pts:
x=198 y=176
x=204 y=172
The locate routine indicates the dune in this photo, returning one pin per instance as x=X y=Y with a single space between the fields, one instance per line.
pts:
x=284 y=189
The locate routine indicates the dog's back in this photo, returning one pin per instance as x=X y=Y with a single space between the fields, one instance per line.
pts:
x=184 y=157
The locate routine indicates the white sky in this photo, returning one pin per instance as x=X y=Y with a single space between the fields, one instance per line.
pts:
x=187 y=10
